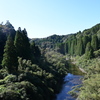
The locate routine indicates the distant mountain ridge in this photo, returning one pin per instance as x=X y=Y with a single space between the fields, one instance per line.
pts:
x=73 y=44
x=51 y=41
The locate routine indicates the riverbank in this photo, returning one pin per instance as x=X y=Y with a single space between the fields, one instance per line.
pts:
x=74 y=61
x=71 y=80
x=91 y=82
x=82 y=70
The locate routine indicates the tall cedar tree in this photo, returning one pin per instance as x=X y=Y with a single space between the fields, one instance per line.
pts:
x=73 y=47
x=32 y=46
x=94 y=42
x=69 y=47
x=61 y=48
x=85 y=40
x=35 y=52
x=66 y=47
x=10 y=60
x=2 y=44
x=98 y=35
x=79 y=47
x=88 y=51
x=22 y=44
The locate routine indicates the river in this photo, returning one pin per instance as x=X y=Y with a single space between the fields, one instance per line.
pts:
x=70 y=80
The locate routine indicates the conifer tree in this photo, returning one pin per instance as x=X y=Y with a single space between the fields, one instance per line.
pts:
x=18 y=43
x=72 y=47
x=66 y=47
x=79 y=50
x=32 y=47
x=69 y=47
x=98 y=36
x=10 y=60
x=94 y=42
x=22 y=44
x=35 y=52
x=2 y=44
x=88 y=51
x=85 y=40
x=26 y=45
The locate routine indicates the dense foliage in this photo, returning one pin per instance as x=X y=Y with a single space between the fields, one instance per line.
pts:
x=91 y=84
x=34 y=68
x=9 y=57
x=26 y=73
x=83 y=48
x=74 y=44
x=50 y=42
x=90 y=89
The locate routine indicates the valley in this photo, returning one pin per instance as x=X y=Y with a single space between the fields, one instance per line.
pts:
x=34 y=68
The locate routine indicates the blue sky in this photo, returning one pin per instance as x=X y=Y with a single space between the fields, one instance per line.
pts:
x=43 y=18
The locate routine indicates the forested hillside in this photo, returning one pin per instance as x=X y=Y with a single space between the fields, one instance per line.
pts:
x=33 y=69
x=51 y=41
x=26 y=73
x=83 y=49
x=86 y=42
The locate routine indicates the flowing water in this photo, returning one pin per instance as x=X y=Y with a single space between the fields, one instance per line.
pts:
x=70 y=80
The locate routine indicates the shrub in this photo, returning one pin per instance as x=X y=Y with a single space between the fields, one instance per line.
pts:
x=10 y=78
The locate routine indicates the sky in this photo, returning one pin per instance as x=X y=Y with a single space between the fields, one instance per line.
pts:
x=43 y=18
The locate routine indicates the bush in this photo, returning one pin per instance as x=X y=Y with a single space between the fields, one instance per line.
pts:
x=10 y=78
x=97 y=53
x=3 y=73
x=91 y=84
x=10 y=95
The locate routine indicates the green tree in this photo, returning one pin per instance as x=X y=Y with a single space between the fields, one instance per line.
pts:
x=61 y=47
x=73 y=47
x=26 y=45
x=32 y=47
x=85 y=40
x=80 y=48
x=37 y=52
x=98 y=35
x=10 y=60
x=88 y=51
x=2 y=44
x=94 y=42
x=69 y=47
x=66 y=47
x=22 y=44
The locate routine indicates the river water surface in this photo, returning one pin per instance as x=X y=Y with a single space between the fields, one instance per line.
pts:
x=70 y=80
